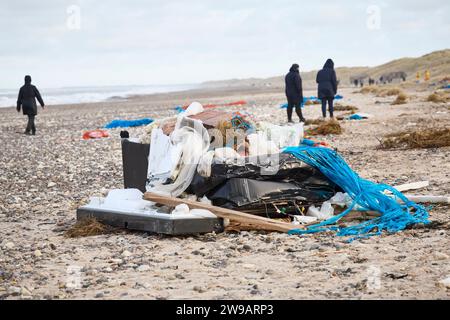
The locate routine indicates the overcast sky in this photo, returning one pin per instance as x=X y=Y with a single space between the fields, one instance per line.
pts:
x=124 y=42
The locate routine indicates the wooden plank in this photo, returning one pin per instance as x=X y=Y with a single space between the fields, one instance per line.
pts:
x=256 y=222
x=428 y=198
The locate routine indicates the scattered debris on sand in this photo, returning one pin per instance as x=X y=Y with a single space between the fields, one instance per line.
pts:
x=389 y=92
x=424 y=138
x=438 y=97
x=339 y=107
x=311 y=102
x=328 y=127
x=401 y=99
x=314 y=122
x=369 y=89
x=88 y=227
x=382 y=92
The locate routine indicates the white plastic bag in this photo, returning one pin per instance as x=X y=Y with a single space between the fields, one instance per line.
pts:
x=191 y=137
x=193 y=109
x=326 y=211
x=180 y=209
x=303 y=219
x=259 y=145
x=283 y=136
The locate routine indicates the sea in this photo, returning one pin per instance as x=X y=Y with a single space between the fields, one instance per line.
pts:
x=72 y=95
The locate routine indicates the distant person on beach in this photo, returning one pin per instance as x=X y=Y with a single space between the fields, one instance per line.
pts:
x=27 y=100
x=327 y=87
x=294 y=92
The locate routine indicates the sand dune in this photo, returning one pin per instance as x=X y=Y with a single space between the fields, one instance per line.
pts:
x=437 y=62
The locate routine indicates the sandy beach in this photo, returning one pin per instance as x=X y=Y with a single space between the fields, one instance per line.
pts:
x=44 y=178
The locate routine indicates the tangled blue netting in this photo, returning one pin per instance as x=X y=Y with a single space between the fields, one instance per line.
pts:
x=355 y=117
x=179 y=109
x=128 y=123
x=368 y=195
x=239 y=122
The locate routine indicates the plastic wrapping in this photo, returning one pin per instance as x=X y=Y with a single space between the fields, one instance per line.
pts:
x=239 y=185
x=193 y=140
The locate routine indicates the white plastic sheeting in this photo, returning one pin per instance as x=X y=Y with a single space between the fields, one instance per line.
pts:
x=123 y=201
x=283 y=136
x=260 y=145
x=326 y=211
x=192 y=139
x=183 y=209
x=162 y=158
x=129 y=201
x=225 y=154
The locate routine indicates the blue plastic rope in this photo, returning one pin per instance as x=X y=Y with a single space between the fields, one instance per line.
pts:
x=367 y=194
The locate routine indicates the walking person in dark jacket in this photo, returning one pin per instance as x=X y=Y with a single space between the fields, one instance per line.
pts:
x=27 y=100
x=327 y=88
x=294 y=92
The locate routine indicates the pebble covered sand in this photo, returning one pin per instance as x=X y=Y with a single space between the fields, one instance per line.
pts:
x=43 y=179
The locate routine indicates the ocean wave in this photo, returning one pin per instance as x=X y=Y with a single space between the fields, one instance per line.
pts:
x=74 y=95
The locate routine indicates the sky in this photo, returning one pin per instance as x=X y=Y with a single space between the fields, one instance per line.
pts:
x=142 y=42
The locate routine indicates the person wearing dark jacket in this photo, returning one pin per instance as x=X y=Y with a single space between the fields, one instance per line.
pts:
x=294 y=92
x=27 y=101
x=327 y=87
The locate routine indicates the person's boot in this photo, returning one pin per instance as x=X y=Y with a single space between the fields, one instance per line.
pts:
x=290 y=121
x=302 y=120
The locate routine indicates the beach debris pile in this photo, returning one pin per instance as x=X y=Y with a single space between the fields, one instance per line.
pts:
x=252 y=175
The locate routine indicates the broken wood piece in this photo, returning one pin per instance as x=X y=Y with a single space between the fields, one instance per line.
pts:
x=412 y=186
x=428 y=199
x=255 y=222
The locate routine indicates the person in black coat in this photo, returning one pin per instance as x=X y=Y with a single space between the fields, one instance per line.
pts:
x=327 y=87
x=27 y=100
x=294 y=92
